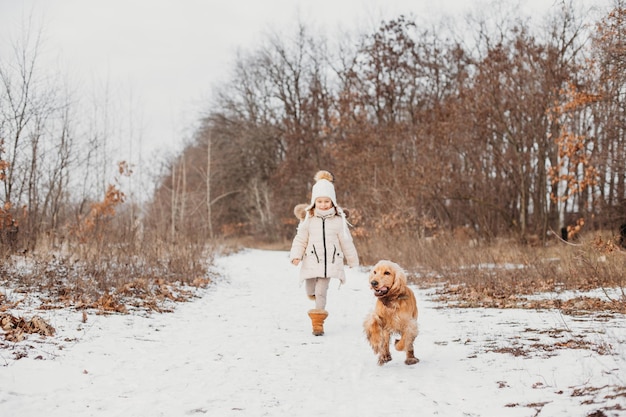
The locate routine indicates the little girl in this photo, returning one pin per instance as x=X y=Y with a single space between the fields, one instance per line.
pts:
x=321 y=244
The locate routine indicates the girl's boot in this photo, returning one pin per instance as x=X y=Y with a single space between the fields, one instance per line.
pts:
x=317 y=319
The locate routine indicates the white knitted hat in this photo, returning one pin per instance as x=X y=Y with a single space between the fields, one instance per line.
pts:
x=323 y=187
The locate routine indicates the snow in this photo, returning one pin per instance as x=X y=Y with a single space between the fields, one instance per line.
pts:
x=245 y=348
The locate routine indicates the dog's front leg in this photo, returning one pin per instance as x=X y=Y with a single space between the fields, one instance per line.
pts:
x=372 y=332
x=406 y=342
x=384 y=353
x=410 y=357
x=402 y=344
x=377 y=338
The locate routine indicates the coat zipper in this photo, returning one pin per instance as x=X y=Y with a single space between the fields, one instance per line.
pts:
x=325 y=254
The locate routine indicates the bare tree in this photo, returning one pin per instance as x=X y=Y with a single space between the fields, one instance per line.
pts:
x=608 y=125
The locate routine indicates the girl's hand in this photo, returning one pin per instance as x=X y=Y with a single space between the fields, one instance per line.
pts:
x=295 y=261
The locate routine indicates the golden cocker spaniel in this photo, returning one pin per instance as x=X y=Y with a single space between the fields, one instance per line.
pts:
x=395 y=312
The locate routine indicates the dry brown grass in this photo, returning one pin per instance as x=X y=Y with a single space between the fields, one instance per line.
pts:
x=120 y=272
x=256 y=243
x=110 y=275
x=500 y=274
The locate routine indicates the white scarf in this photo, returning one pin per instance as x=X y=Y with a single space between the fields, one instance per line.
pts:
x=323 y=214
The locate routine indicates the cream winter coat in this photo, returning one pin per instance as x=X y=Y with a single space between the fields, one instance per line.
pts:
x=322 y=243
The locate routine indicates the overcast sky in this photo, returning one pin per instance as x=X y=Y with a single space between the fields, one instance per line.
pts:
x=166 y=55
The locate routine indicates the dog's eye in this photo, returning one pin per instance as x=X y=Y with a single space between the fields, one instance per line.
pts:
x=387 y=273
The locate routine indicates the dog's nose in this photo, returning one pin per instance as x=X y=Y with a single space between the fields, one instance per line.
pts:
x=374 y=283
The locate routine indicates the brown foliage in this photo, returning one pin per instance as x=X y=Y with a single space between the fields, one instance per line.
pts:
x=573 y=166
x=507 y=276
x=91 y=227
x=16 y=327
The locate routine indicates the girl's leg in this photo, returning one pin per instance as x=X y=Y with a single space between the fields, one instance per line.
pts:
x=309 y=287
x=321 y=289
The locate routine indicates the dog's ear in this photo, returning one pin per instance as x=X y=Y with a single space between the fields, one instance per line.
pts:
x=400 y=279
x=300 y=211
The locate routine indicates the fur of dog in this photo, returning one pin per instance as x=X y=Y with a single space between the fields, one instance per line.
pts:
x=395 y=313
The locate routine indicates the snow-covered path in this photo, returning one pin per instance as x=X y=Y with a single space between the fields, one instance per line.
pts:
x=245 y=349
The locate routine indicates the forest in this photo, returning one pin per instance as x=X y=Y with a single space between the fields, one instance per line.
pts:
x=513 y=131
x=447 y=144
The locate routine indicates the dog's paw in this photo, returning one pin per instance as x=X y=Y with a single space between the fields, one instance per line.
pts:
x=411 y=361
x=383 y=359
